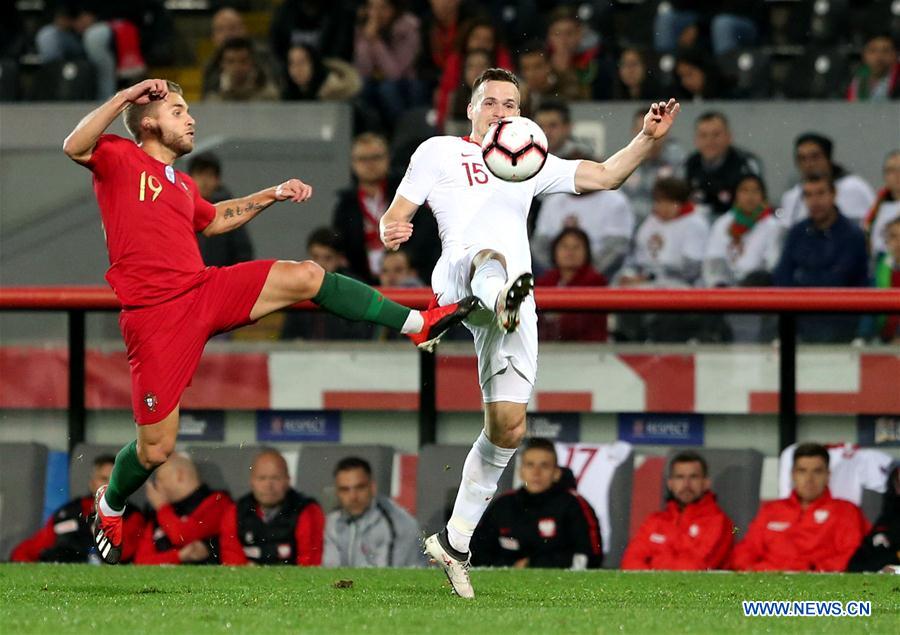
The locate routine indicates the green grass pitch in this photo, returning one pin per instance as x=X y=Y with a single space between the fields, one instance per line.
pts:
x=111 y=600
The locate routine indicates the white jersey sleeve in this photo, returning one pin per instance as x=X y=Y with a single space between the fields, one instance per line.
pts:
x=557 y=176
x=423 y=172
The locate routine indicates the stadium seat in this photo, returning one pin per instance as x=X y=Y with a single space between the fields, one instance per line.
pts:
x=315 y=471
x=226 y=468
x=877 y=17
x=81 y=462
x=73 y=80
x=747 y=72
x=9 y=80
x=736 y=476
x=23 y=470
x=438 y=475
x=818 y=74
x=827 y=20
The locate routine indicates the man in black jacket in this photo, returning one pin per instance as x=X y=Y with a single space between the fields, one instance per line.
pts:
x=542 y=524
x=880 y=549
x=715 y=169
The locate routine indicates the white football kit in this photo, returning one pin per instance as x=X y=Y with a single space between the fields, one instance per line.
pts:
x=758 y=249
x=476 y=211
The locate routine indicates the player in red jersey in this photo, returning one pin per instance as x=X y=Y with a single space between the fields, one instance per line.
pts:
x=171 y=303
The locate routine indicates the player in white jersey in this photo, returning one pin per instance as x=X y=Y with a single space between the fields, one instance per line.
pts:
x=482 y=222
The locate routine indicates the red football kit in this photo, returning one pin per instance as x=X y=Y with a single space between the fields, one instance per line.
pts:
x=171 y=302
x=786 y=537
x=694 y=538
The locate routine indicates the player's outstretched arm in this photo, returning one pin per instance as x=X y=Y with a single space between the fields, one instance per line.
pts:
x=609 y=175
x=79 y=145
x=396 y=224
x=235 y=212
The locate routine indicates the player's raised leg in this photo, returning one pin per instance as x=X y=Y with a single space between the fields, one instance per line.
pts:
x=497 y=290
x=484 y=465
x=134 y=464
x=290 y=282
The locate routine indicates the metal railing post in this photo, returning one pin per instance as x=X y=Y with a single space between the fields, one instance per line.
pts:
x=77 y=412
x=787 y=380
x=427 y=398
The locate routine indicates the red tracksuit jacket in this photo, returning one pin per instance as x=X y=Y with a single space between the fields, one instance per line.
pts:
x=697 y=537
x=786 y=537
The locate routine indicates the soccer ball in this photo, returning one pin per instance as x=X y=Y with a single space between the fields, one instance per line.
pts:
x=514 y=149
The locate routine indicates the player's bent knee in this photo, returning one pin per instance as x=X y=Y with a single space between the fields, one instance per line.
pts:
x=155 y=454
x=306 y=279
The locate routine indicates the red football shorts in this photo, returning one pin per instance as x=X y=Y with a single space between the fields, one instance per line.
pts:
x=164 y=342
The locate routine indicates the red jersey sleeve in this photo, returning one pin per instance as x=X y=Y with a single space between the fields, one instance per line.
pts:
x=749 y=553
x=638 y=554
x=203 y=523
x=147 y=553
x=29 y=550
x=230 y=550
x=310 y=536
x=107 y=154
x=134 y=529
x=204 y=211
x=708 y=551
x=854 y=526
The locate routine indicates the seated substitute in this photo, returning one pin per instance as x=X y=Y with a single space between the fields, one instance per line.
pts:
x=880 y=549
x=185 y=528
x=809 y=530
x=66 y=536
x=692 y=532
x=274 y=523
x=542 y=524
x=368 y=530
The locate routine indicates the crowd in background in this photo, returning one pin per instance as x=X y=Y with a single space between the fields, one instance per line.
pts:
x=688 y=217
x=544 y=523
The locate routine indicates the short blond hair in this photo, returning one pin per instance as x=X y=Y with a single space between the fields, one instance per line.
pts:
x=135 y=112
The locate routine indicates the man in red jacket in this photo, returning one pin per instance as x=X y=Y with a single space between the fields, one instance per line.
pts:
x=66 y=537
x=274 y=523
x=186 y=526
x=692 y=532
x=808 y=531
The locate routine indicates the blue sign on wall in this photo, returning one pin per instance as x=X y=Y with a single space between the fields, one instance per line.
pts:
x=298 y=425
x=878 y=430
x=661 y=429
x=201 y=425
x=556 y=426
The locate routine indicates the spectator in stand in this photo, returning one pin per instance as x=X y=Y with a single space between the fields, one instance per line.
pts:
x=886 y=207
x=692 y=532
x=540 y=525
x=887 y=276
x=877 y=78
x=455 y=120
x=227 y=24
x=186 y=525
x=670 y=243
x=326 y=25
x=368 y=530
x=812 y=153
x=385 y=50
x=697 y=77
x=731 y=24
x=572 y=267
x=714 y=169
x=361 y=206
x=666 y=159
x=67 y=536
x=573 y=50
x=324 y=247
x=555 y=118
x=633 y=82
x=539 y=80
x=440 y=32
x=477 y=35
x=825 y=250
x=243 y=75
x=744 y=242
x=274 y=523
x=225 y=249
x=880 y=549
x=309 y=77
x=810 y=530
x=397 y=270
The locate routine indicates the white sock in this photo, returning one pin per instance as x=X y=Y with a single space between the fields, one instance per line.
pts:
x=107 y=510
x=483 y=467
x=414 y=323
x=488 y=282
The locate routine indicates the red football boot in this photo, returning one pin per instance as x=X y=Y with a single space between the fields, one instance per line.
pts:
x=107 y=531
x=439 y=319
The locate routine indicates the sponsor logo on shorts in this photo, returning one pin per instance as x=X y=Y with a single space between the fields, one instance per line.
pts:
x=151 y=401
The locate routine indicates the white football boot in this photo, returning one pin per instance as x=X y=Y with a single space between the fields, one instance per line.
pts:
x=510 y=299
x=454 y=564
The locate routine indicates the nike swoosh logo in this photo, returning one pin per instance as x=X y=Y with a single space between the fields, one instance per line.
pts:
x=470 y=154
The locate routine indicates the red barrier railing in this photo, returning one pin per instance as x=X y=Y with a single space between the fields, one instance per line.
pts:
x=76 y=301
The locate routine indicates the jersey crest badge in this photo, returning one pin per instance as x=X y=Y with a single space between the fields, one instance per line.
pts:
x=170 y=174
x=151 y=401
x=547 y=527
x=820 y=515
x=694 y=530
